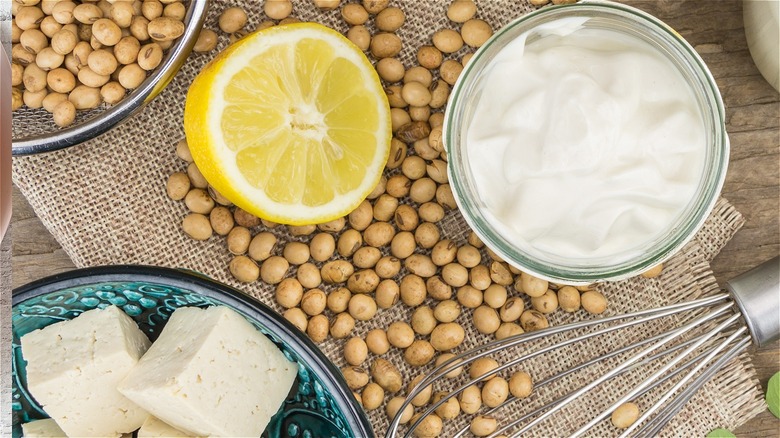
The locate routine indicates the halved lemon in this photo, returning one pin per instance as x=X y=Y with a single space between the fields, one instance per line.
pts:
x=290 y=123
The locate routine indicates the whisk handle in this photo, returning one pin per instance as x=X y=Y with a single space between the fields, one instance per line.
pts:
x=757 y=293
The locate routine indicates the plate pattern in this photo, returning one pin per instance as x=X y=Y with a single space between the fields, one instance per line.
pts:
x=308 y=412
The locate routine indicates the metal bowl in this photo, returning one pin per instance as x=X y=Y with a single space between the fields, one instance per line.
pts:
x=319 y=404
x=34 y=130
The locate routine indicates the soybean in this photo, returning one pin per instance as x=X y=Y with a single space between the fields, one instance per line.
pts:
x=231 y=20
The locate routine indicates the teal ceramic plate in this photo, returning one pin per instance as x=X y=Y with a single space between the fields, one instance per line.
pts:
x=319 y=405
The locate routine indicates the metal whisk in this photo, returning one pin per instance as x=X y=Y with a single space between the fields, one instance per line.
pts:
x=720 y=328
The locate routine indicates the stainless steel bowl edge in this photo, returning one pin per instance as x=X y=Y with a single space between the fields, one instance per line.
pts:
x=117 y=114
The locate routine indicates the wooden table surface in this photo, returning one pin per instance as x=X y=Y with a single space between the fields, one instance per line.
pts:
x=715 y=29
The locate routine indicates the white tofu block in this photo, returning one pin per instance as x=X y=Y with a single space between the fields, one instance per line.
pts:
x=211 y=373
x=73 y=368
x=154 y=428
x=42 y=429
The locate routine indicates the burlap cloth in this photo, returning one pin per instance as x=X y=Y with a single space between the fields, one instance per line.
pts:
x=105 y=202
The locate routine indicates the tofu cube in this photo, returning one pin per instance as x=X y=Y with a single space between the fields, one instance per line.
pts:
x=211 y=373
x=154 y=428
x=42 y=429
x=73 y=368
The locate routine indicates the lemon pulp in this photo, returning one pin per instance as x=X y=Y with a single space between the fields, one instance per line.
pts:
x=290 y=124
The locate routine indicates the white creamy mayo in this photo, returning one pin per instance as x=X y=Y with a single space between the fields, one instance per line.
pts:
x=586 y=144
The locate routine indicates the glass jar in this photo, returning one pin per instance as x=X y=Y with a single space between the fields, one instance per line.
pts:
x=617 y=18
x=762 y=27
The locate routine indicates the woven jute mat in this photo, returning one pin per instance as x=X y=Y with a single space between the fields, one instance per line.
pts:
x=105 y=202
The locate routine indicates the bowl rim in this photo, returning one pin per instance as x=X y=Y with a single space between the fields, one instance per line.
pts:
x=201 y=284
x=568 y=275
x=117 y=114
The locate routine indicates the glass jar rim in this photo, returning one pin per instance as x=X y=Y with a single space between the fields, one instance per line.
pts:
x=697 y=210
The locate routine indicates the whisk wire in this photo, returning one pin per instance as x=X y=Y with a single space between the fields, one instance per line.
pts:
x=615 y=371
x=555 y=377
x=492 y=347
x=654 y=426
x=607 y=356
x=475 y=353
x=668 y=366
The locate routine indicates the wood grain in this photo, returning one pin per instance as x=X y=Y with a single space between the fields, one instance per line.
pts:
x=716 y=30
x=35 y=253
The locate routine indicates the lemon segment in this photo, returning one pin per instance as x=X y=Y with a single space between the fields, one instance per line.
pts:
x=290 y=123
